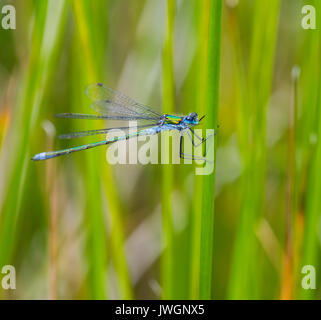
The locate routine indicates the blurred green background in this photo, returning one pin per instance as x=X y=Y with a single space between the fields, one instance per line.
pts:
x=75 y=227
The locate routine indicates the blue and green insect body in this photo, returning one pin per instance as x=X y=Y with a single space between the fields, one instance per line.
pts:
x=113 y=105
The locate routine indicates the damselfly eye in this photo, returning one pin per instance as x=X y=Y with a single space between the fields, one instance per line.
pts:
x=192 y=117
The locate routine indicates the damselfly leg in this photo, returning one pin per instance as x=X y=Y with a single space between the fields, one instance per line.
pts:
x=183 y=155
x=198 y=137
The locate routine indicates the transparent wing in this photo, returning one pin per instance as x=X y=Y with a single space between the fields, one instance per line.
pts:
x=102 y=131
x=100 y=117
x=110 y=102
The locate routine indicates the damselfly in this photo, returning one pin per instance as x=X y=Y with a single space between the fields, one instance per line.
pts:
x=112 y=105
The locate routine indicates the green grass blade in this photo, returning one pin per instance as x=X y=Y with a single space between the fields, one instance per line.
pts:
x=208 y=56
x=92 y=49
x=50 y=17
x=245 y=269
x=203 y=10
x=167 y=267
x=211 y=111
x=311 y=125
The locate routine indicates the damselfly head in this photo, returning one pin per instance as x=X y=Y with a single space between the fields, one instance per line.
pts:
x=192 y=118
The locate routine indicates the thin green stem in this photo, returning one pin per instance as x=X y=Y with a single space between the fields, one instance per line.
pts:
x=51 y=16
x=167 y=267
x=312 y=126
x=211 y=106
x=84 y=15
x=242 y=285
